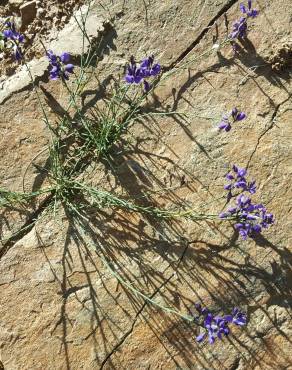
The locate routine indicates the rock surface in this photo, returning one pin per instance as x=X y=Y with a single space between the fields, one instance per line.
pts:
x=28 y=12
x=16 y=3
x=61 y=306
x=70 y=38
x=37 y=23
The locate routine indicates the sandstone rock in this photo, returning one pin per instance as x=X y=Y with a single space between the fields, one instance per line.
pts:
x=28 y=12
x=16 y=3
x=40 y=12
x=69 y=311
x=70 y=38
x=22 y=79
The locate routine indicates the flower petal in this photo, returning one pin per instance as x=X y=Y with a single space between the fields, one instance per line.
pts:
x=242 y=8
x=69 y=68
x=129 y=79
x=155 y=69
x=200 y=337
x=240 y=116
x=65 y=57
x=222 y=125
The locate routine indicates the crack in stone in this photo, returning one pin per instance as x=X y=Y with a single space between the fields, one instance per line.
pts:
x=261 y=335
x=129 y=332
x=184 y=54
x=26 y=228
x=32 y=219
x=272 y=124
x=235 y=364
x=72 y=290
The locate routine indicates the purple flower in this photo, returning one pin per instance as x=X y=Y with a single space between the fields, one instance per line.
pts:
x=232 y=210
x=249 y=11
x=13 y=37
x=251 y=187
x=237 y=317
x=59 y=66
x=241 y=172
x=251 y=218
x=52 y=57
x=55 y=72
x=240 y=26
x=236 y=115
x=229 y=176
x=215 y=327
x=134 y=74
x=228 y=187
x=267 y=219
x=225 y=124
x=65 y=57
x=238 y=181
x=138 y=74
x=69 y=68
x=239 y=29
x=8 y=34
x=240 y=184
x=149 y=68
x=12 y=34
x=200 y=337
x=244 y=229
x=242 y=201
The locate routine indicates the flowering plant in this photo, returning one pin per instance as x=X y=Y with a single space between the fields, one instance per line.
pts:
x=236 y=116
x=240 y=26
x=217 y=326
x=137 y=74
x=11 y=39
x=60 y=66
x=250 y=218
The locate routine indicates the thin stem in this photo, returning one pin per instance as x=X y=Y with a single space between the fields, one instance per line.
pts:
x=138 y=293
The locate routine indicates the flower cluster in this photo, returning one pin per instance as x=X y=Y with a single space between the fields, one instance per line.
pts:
x=237 y=180
x=250 y=218
x=218 y=326
x=12 y=39
x=60 y=66
x=138 y=74
x=239 y=29
x=235 y=114
x=240 y=26
x=252 y=13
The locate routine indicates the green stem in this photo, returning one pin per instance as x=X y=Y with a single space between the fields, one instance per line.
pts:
x=148 y=299
x=109 y=199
